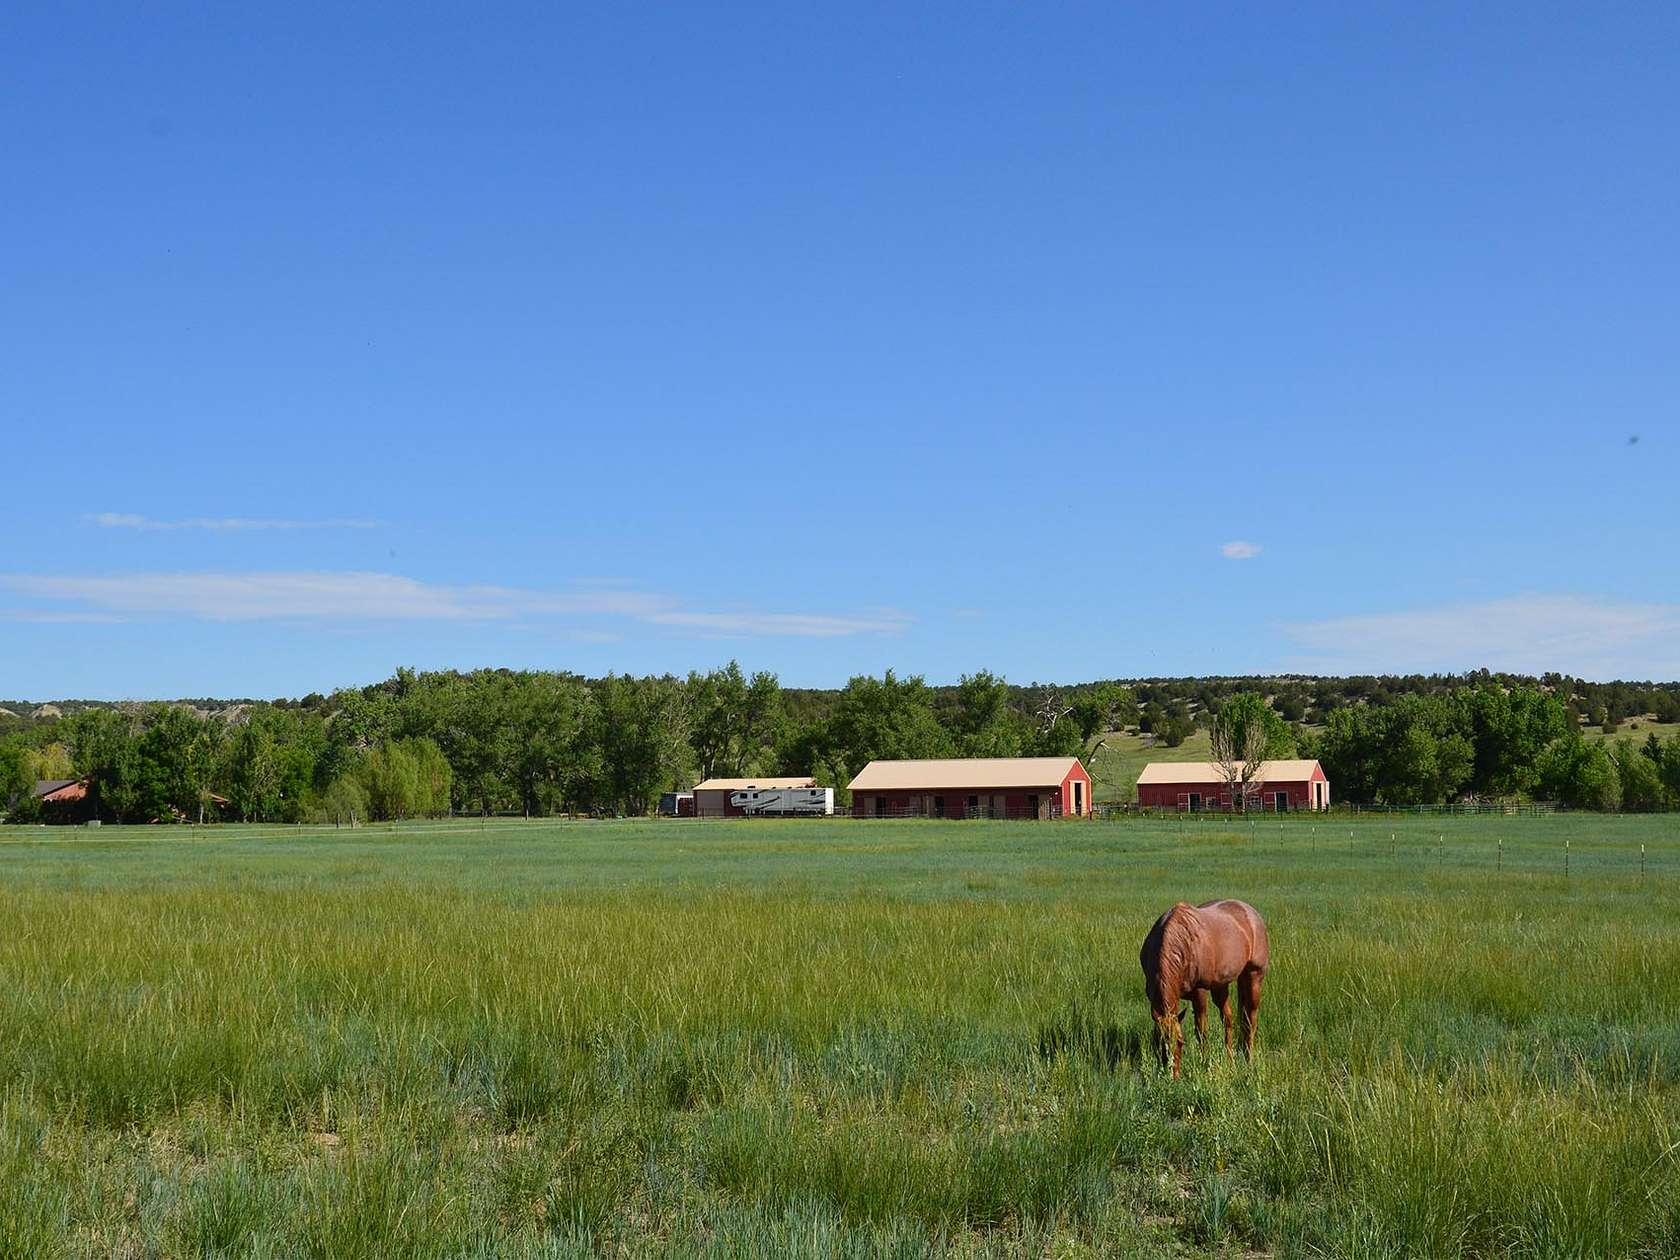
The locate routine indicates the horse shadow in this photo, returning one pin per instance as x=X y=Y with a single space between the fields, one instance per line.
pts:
x=1103 y=1043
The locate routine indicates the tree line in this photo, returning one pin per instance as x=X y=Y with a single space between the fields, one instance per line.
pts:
x=541 y=743
x=538 y=743
x=1491 y=743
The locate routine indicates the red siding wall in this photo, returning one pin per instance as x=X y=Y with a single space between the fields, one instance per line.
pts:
x=917 y=804
x=1077 y=773
x=1014 y=800
x=1165 y=795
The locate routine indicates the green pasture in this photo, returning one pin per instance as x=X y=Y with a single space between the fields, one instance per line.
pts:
x=1638 y=729
x=833 y=1038
x=1122 y=755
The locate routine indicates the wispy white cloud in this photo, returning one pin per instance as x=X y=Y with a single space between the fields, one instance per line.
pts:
x=1531 y=634
x=311 y=595
x=52 y=616
x=349 y=597
x=228 y=524
x=1237 y=549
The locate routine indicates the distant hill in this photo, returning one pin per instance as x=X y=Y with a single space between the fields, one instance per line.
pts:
x=30 y=713
x=1300 y=698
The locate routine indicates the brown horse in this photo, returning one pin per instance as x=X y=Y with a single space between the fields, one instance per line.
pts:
x=1194 y=951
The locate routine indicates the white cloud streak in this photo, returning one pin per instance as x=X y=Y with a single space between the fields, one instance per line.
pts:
x=1531 y=634
x=348 y=597
x=224 y=524
x=49 y=616
x=1240 y=550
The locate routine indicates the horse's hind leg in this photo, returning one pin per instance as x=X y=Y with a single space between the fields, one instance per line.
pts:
x=1222 y=998
x=1248 y=994
x=1199 y=1000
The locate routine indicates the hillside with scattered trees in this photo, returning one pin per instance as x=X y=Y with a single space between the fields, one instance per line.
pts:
x=539 y=743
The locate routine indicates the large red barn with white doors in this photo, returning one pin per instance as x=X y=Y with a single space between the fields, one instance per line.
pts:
x=973 y=787
x=1278 y=786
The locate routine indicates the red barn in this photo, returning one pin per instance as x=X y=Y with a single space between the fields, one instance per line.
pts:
x=1280 y=786
x=64 y=800
x=973 y=787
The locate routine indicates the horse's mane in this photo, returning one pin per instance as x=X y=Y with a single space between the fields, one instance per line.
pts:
x=1181 y=939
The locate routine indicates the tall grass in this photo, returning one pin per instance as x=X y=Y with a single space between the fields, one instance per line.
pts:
x=829 y=1039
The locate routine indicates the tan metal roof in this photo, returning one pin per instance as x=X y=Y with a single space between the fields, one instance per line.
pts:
x=963 y=772
x=736 y=785
x=1209 y=771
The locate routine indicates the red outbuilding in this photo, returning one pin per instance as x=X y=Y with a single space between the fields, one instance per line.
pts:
x=1278 y=787
x=973 y=787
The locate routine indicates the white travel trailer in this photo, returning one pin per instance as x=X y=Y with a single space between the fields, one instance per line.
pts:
x=802 y=801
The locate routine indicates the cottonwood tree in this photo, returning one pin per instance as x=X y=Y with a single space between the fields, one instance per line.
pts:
x=1642 y=785
x=1238 y=747
x=252 y=773
x=642 y=728
x=984 y=721
x=734 y=719
x=17 y=776
x=102 y=750
x=1103 y=707
x=1579 y=774
x=555 y=760
x=888 y=717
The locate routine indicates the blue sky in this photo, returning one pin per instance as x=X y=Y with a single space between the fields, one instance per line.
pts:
x=835 y=338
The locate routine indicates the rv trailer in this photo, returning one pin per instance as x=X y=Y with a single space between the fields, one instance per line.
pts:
x=761 y=802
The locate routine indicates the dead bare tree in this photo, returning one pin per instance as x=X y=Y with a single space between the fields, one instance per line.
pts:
x=1050 y=707
x=1239 y=754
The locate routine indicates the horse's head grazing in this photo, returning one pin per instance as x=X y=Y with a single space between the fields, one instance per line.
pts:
x=1169 y=957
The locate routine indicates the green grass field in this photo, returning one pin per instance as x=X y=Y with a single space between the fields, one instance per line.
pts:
x=1124 y=754
x=1637 y=729
x=833 y=1038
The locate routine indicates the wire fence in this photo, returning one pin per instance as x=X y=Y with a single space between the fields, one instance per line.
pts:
x=1002 y=813
x=1579 y=847
x=1571 y=845
x=1467 y=809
